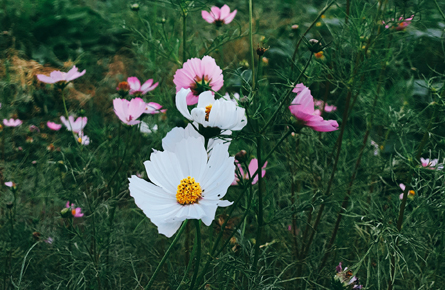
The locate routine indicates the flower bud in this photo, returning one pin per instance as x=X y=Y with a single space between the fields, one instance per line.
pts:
x=66 y=213
x=315 y=46
x=241 y=156
x=134 y=7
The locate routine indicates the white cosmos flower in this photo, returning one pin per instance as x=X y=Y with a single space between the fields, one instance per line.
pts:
x=223 y=114
x=185 y=184
x=146 y=129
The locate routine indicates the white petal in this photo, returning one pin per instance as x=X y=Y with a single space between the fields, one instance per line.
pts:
x=167 y=229
x=181 y=103
x=199 y=115
x=205 y=99
x=177 y=134
x=163 y=170
x=192 y=157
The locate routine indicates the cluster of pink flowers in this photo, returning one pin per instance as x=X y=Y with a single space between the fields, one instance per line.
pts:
x=327 y=108
x=302 y=107
x=399 y=25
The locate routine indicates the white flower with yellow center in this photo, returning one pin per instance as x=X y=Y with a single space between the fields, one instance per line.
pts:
x=185 y=184
x=222 y=114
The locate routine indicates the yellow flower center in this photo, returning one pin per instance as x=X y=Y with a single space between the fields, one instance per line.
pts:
x=208 y=109
x=79 y=139
x=411 y=192
x=189 y=191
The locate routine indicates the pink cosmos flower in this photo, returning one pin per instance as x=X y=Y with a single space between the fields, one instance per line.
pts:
x=198 y=76
x=12 y=123
x=75 y=126
x=302 y=107
x=54 y=126
x=152 y=108
x=129 y=111
x=137 y=89
x=76 y=212
x=219 y=16
x=58 y=76
x=327 y=108
x=253 y=167
x=431 y=164
x=411 y=193
x=400 y=25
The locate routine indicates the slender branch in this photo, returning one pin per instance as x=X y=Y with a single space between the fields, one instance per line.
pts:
x=260 y=206
x=252 y=56
x=440 y=10
x=198 y=251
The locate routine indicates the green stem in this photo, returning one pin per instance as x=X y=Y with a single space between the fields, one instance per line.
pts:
x=158 y=268
x=198 y=251
x=440 y=10
x=252 y=56
x=67 y=117
x=260 y=206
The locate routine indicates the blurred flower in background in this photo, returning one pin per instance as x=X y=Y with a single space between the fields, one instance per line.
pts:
x=219 y=16
x=58 y=76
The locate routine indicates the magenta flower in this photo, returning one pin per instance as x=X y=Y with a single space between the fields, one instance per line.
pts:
x=253 y=167
x=137 y=89
x=54 y=126
x=12 y=123
x=399 y=25
x=152 y=108
x=302 y=107
x=198 y=76
x=219 y=16
x=58 y=76
x=75 y=126
x=76 y=212
x=129 y=111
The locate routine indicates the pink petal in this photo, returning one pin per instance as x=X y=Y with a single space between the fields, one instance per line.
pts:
x=230 y=17
x=216 y=12
x=134 y=83
x=207 y=17
x=45 y=79
x=224 y=12
x=54 y=126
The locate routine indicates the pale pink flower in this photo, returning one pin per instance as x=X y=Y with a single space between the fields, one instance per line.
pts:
x=10 y=184
x=58 y=76
x=152 y=108
x=12 y=123
x=302 y=107
x=431 y=164
x=76 y=212
x=198 y=76
x=83 y=139
x=399 y=25
x=411 y=193
x=54 y=126
x=129 y=111
x=253 y=167
x=137 y=89
x=75 y=126
x=219 y=16
x=327 y=108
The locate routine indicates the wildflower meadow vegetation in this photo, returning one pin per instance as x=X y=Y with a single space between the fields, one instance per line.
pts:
x=178 y=144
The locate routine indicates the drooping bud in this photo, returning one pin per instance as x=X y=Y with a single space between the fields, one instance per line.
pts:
x=315 y=46
x=241 y=156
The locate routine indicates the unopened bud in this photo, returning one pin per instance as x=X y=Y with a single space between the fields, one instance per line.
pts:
x=241 y=156
x=314 y=45
x=134 y=7
x=66 y=213
x=261 y=50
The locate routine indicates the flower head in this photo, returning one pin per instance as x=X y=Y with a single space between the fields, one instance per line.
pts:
x=76 y=212
x=198 y=76
x=253 y=167
x=222 y=114
x=137 y=89
x=345 y=278
x=411 y=193
x=129 y=111
x=302 y=107
x=11 y=184
x=219 y=16
x=399 y=25
x=152 y=108
x=75 y=126
x=186 y=184
x=83 y=139
x=54 y=126
x=431 y=164
x=12 y=123
x=58 y=76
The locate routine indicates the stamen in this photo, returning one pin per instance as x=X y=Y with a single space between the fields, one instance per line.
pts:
x=189 y=191
x=208 y=109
